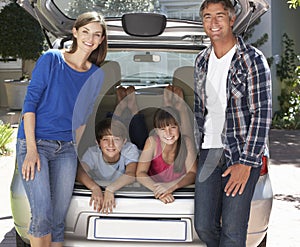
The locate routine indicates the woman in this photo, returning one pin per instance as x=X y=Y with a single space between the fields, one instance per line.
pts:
x=45 y=149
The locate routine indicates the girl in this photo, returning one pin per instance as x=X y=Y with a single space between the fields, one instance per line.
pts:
x=167 y=161
x=45 y=150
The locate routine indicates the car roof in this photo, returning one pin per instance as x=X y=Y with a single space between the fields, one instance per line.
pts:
x=57 y=16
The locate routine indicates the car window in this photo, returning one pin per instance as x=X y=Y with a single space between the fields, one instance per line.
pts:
x=188 y=10
x=151 y=68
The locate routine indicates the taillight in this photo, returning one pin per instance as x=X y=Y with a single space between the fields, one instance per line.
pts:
x=264 y=166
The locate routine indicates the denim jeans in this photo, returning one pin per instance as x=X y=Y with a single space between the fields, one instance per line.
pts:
x=221 y=220
x=50 y=192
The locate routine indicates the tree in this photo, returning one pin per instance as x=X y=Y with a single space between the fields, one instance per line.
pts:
x=293 y=3
x=111 y=8
x=21 y=35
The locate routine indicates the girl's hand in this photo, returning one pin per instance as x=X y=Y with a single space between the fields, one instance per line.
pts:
x=32 y=159
x=97 y=198
x=109 y=202
x=168 y=198
x=162 y=189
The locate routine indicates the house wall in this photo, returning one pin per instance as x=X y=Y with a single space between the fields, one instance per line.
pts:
x=278 y=20
x=12 y=71
x=8 y=70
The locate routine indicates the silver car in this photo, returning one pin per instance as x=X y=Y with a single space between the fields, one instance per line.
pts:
x=148 y=58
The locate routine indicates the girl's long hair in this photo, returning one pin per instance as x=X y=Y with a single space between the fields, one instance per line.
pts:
x=169 y=116
x=98 y=55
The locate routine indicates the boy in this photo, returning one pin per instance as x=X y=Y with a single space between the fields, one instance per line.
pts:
x=113 y=159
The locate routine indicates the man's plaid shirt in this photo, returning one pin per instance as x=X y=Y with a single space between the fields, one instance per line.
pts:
x=249 y=104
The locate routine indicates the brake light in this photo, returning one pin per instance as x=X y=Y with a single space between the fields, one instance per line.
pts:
x=264 y=166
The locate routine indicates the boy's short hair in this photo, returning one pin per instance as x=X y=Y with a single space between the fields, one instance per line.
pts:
x=110 y=126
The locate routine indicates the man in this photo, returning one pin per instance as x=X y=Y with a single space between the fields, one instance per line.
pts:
x=232 y=121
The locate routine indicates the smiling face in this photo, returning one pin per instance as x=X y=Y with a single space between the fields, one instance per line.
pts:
x=168 y=134
x=166 y=125
x=89 y=36
x=218 y=22
x=111 y=147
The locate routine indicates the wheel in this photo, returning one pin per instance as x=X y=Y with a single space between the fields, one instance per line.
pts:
x=20 y=242
x=263 y=243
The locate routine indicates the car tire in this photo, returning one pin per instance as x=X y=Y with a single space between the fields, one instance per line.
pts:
x=20 y=242
x=263 y=243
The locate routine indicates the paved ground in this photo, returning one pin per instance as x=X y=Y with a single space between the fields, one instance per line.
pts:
x=284 y=172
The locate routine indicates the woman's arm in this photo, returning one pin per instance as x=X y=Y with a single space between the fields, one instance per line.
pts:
x=32 y=157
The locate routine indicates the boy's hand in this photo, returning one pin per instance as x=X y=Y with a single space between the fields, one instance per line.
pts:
x=109 y=202
x=97 y=198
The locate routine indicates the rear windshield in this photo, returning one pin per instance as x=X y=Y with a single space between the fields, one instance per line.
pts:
x=144 y=69
x=187 y=10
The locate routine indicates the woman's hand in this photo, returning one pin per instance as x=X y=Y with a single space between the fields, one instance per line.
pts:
x=97 y=198
x=109 y=202
x=32 y=159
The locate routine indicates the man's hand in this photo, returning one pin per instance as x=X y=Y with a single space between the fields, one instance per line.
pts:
x=239 y=175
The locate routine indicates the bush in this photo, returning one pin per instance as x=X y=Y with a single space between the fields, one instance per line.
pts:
x=288 y=116
x=21 y=35
x=6 y=132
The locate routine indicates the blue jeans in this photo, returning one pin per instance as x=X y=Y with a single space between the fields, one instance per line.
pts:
x=50 y=192
x=212 y=204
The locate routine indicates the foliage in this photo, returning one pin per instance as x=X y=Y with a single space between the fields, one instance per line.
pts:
x=260 y=41
x=288 y=117
x=111 y=7
x=5 y=138
x=293 y=4
x=21 y=35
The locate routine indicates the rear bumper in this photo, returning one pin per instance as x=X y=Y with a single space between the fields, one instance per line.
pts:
x=140 y=207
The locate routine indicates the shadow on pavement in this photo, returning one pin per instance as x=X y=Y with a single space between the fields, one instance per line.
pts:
x=284 y=147
x=9 y=239
x=289 y=198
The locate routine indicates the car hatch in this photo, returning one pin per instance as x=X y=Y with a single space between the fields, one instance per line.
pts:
x=57 y=16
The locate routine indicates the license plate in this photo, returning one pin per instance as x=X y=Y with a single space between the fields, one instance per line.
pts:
x=127 y=229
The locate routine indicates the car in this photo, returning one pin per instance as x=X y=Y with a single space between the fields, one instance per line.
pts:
x=149 y=57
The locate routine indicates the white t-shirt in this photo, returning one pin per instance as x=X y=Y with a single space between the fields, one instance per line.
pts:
x=216 y=100
x=101 y=170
